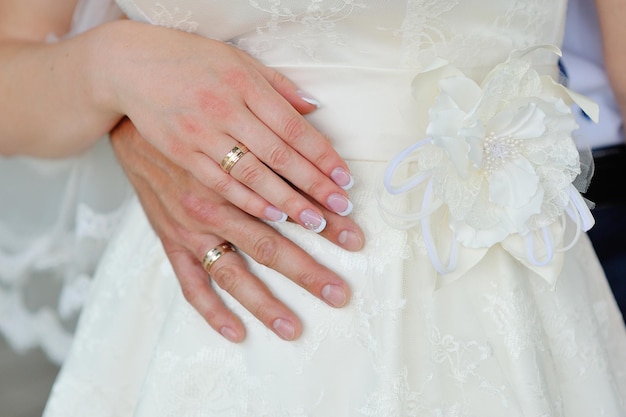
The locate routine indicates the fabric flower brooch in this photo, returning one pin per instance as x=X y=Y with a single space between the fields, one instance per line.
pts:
x=495 y=167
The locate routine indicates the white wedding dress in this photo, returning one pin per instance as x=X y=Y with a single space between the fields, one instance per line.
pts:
x=474 y=307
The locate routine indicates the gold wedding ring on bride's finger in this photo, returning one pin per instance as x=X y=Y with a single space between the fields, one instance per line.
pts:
x=214 y=254
x=233 y=156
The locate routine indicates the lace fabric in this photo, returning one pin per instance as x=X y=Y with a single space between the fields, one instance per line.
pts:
x=500 y=341
x=319 y=31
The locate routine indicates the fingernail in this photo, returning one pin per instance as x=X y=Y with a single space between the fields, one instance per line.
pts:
x=335 y=295
x=284 y=328
x=339 y=204
x=229 y=334
x=312 y=220
x=274 y=214
x=309 y=98
x=342 y=178
x=350 y=240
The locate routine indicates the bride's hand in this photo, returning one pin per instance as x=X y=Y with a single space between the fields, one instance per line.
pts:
x=196 y=99
x=191 y=219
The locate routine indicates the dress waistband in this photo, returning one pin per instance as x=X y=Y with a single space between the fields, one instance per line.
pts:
x=368 y=113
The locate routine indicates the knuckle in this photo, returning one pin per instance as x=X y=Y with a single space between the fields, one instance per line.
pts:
x=325 y=158
x=212 y=103
x=191 y=292
x=210 y=315
x=194 y=297
x=294 y=128
x=265 y=250
x=199 y=209
x=227 y=276
x=252 y=173
x=176 y=148
x=223 y=185
x=316 y=188
x=278 y=78
x=188 y=125
x=292 y=203
x=307 y=280
x=279 y=157
x=238 y=77
x=262 y=312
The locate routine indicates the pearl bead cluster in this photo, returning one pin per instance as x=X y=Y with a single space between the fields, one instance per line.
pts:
x=498 y=150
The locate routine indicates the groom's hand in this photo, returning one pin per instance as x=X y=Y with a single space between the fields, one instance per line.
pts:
x=190 y=220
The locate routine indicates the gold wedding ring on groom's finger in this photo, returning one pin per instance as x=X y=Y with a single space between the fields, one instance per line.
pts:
x=233 y=156
x=214 y=254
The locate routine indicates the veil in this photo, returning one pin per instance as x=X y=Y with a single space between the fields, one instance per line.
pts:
x=56 y=217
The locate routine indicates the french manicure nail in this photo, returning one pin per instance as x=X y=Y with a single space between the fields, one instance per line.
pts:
x=229 y=334
x=274 y=214
x=350 y=240
x=335 y=295
x=309 y=98
x=312 y=220
x=284 y=328
x=342 y=178
x=339 y=204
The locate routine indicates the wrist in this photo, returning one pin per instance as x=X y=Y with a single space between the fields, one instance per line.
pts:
x=110 y=50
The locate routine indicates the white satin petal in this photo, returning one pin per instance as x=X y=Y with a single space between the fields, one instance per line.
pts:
x=520 y=123
x=513 y=184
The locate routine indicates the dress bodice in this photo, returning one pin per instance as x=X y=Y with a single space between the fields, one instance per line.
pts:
x=376 y=33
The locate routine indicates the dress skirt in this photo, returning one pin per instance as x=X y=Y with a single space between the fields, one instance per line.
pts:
x=496 y=340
